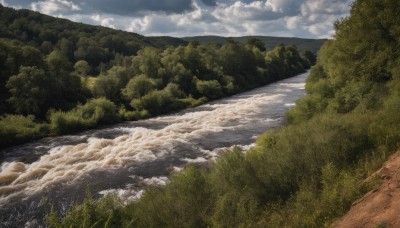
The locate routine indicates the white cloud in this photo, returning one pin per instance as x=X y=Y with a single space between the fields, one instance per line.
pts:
x=12 y=5
x=240 y=11
x=318 y=29
x=301 y=18
x=318 y=16
x=312 y=7
x=54 y=6
x=103 y=21
x=198 y=21
x=272 y=17
x=282 y=6
x=293 y=22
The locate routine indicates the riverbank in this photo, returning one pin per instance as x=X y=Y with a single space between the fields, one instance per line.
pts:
x=18 y=129
x=307 y=173
x=127 y=158
x=151 y=83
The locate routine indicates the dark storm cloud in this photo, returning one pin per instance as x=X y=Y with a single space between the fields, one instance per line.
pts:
x=119 y=7
x=20 y=3
x=210 y=2
x=133 y=7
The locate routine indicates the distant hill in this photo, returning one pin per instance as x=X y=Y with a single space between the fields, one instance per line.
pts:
x=44 y=31
x=302 y=44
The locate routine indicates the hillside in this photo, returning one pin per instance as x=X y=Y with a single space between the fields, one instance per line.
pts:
x=380 y=207
x=94 y=44
x=30 y=26
x=302 y=44
x=46 y=32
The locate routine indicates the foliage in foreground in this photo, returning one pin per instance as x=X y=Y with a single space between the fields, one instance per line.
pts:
x=309 y=172
x=300 y=175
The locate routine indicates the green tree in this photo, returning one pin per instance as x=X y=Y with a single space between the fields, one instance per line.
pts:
x=58 y=63
x=147 y=62
x=67 y=48
x=138 y=87
x=256 y=43
x=29 y=90
x=211 y=89
x=82 y=68
x=66 y=89
x=106 y=86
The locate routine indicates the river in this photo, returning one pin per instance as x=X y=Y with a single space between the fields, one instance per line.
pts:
x=125 y=158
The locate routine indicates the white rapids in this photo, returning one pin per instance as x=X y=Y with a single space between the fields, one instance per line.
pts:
x=262 y=108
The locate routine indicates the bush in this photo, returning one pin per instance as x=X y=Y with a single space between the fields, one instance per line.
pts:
x=211 y=89
x=158 y=102
x=99 y=110
x=106 y=212
x=95 y=111
x=132 y=115
x=182 y=203
x=18 y=128
x=138 y=87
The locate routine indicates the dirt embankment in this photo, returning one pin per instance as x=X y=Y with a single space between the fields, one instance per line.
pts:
x=379 y=207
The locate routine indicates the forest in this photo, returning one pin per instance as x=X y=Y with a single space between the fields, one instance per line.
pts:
x=305 y=174
x=60 y=77
x=302 y=44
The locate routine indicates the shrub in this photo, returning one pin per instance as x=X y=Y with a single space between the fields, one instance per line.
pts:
x=211 y=89
x=18 y=128
x=182 y=203
x=132 y=115
x=158 y=102
x=95 y=111
x=106 y=212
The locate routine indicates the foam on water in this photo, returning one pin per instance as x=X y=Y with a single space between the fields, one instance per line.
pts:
x=293 y=85
x=195 y=160
x=67 y=164
x=127 y=195
x=130 y=192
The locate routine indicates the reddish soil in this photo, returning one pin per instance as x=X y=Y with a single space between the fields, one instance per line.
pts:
x=381 y=206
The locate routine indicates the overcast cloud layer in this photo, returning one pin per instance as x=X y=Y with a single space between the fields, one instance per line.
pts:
x=299 y=18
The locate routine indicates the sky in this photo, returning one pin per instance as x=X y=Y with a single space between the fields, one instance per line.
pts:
x=179 y=18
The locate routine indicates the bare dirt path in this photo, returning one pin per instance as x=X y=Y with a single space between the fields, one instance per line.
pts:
x=379 y=207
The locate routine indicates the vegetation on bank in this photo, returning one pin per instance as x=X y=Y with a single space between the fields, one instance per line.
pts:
x=55 y=79
x=305 y=174
x=302 y=44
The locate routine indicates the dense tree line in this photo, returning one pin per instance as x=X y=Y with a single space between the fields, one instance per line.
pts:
x=95 y=44
x=303 y=44
x=59 y=77
x=307 y=173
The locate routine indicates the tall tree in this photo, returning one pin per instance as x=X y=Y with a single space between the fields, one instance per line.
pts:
x=29 y=90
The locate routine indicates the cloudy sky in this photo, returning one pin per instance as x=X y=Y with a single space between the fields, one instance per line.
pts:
x=299 y=18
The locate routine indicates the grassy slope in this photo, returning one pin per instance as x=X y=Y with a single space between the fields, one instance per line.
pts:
x=307 y=173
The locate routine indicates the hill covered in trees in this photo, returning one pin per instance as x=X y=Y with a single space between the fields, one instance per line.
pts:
x=305 y=174
x=57 y=76
x=95 y=44
x=302 y=44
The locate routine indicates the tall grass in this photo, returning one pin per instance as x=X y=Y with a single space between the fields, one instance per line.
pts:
x=18 y=128
x=302 y=175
